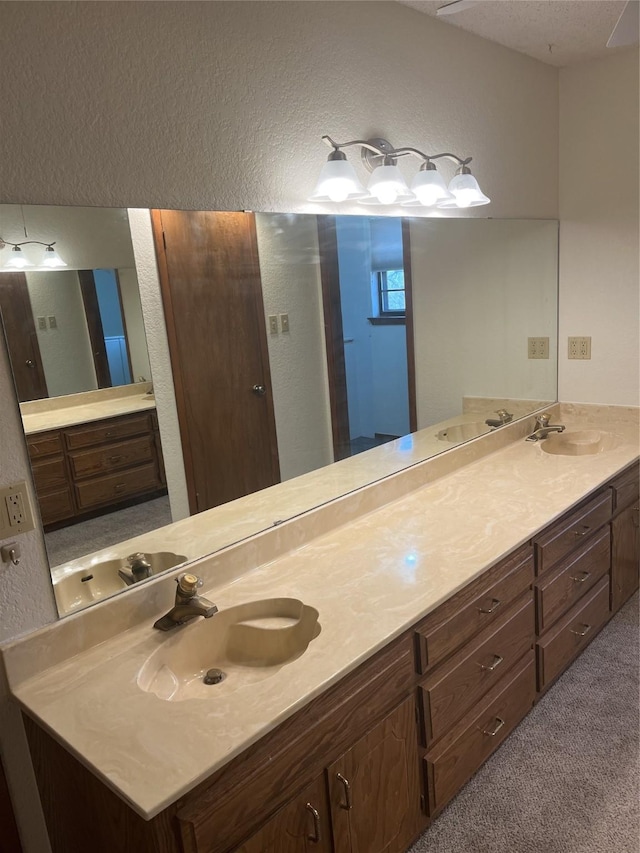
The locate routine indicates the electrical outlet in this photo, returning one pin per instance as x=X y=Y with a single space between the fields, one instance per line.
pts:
x=284 y=322
x=538 y=347
x=273 y=324
x=42 y=323
x=580 y=347
x=16 y=515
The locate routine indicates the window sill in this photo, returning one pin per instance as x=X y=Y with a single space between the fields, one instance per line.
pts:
x=390 y=320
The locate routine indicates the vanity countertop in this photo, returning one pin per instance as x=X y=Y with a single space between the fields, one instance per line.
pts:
x=83 y=408
x=370 y=580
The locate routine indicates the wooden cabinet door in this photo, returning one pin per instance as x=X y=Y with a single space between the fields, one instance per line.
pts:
x=374 y=788
x=625 y=555
x=302 y=826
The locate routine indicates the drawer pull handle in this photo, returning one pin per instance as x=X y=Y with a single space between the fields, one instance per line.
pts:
x=347 y=792
x=582 y=579
x=108 y=433
x=497 y=660
x=494 y=731
x=120 y=487
x=583 y=532
x=316 y=838
x=495 y=603
x=583 y=633
x=114 y=458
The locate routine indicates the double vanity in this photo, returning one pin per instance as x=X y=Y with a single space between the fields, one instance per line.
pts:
x=365 y=658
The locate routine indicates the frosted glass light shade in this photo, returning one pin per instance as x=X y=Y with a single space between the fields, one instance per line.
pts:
x=387 y=186
x=52 y=259
x=465 y=192
x=429 y=188
x=17 y=260
x=337 y=182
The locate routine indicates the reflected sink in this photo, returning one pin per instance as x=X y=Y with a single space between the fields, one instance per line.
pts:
x=463 y=432
x=586 y=442
x=91 y=584
x=246 y=644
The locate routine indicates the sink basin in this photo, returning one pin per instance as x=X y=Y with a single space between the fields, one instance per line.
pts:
x=586 y=442
x=245 y=644
x=463 y=432
x=100 y=580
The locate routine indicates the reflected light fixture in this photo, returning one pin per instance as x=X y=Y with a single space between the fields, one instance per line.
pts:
x=338 y=181
x=18 y=261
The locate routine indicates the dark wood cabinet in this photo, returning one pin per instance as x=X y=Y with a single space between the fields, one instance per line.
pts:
x=90 y=468
x=365 y=766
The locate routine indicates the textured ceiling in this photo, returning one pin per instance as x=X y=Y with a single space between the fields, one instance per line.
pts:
x=558 y=32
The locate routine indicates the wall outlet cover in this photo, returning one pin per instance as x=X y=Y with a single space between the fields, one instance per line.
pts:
x=579 y=347
x=538 y=347
x=16 y=514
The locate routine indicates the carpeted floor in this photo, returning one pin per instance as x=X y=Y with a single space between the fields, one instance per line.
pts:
x=76 y=540
x=567 y=779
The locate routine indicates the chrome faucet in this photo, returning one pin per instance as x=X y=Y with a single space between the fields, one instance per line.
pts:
x=503 y=418
x=542 y=428
x=188 y=604
x=139 y=569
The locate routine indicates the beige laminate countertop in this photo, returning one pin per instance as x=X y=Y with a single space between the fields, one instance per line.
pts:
x=370 y=580
x=67 y=416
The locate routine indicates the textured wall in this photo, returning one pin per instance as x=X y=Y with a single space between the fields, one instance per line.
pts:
x=599 y=230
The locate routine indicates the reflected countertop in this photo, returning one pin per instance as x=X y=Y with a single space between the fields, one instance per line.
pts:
x=371 y=573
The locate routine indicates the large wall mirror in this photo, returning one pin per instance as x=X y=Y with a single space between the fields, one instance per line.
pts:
x=182 y=360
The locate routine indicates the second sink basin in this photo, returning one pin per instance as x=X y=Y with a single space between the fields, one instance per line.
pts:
x=98 y=581
x=238 y=646
x=463 y=432
x=586 y=442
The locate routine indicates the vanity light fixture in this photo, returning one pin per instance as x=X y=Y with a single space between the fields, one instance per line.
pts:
x=18 y=261
x=338 y=181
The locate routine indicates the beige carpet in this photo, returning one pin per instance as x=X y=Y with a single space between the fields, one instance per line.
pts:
x=567 y=780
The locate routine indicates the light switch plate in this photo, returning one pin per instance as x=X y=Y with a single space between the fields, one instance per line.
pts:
x=42 y=323
x=273 y=324
x=53 y=323
x=284 y=322
x=579 y=347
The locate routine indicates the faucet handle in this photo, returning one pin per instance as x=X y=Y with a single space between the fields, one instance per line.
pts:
x=543 y=420
x=188 y=583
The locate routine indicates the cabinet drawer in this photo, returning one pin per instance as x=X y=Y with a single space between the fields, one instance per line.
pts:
x=56 y=506
x=626 y=487
x=125 y=454
x=568 y=637
x=563 y=536
x=471 y=610
x=460 y=753
x=103 y=490
x=49 y=474
x=44 y=444
x=108 y=430
x=562 y=587
x=456 y=686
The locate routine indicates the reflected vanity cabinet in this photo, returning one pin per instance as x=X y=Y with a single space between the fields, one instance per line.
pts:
x=93 y=467
x=367 y=765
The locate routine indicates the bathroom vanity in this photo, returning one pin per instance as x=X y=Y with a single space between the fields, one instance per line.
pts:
x=446 y=612
x=89 y=457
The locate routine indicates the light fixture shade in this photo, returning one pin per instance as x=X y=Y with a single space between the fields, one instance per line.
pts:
x=337 y=182
x=387 y=186
x=466 y=192
x=17 y=260
x=52 y=259
x=429 y=188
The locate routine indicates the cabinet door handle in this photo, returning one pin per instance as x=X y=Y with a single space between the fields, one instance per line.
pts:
x=494 y=731
x=114 y=458
x=495 y=603
x=497 y=660
x=347 y=792
x=583 y=633
x=582 y=579
x=316 y=838
x=583 y=532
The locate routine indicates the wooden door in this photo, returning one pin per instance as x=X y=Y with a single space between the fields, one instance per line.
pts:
x=625 y=555
x=212 y=294
x=22 y=338
x=94 y=327
x=302 y=826
x=374 y=788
